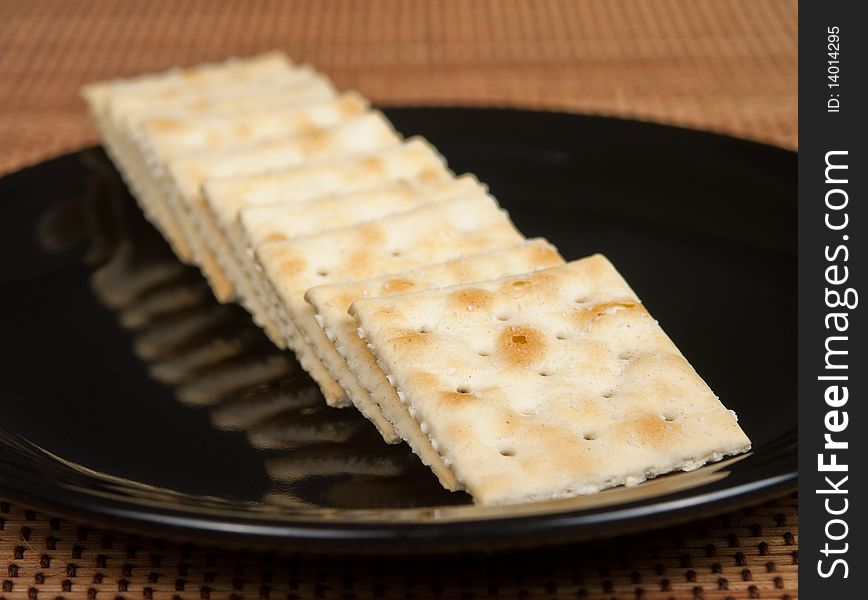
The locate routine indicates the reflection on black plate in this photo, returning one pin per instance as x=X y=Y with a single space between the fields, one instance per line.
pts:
x=129 y=394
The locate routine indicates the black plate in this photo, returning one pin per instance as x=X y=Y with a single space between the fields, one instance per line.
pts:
x=130 y=398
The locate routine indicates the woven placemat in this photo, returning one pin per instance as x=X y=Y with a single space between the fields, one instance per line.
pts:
x=751 y=553
x=727 y=66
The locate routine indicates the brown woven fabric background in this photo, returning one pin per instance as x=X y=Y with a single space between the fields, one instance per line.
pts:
x=726 y=66
x=751 y=553
x=723 y=65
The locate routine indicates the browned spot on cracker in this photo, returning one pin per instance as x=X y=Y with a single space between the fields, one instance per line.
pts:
x=372 y=235
x=398 y=285
x=424 y=381
x=291 y=267
x=407 y=337
x=521 y=345
x=373 y=165
x=346 y=299
x=201 y=105
x=545 y=255
x=586 y=315
x=456 y=397
x=358 y=265
x=243 y=130
x=428 y=175
x=389 y=313
x=538 y=283
x=214 y=138
x=166 y=125
x=470 y=299
x=651 y=429
x=315 y=142
x=191 y=74
x=543 y=278
x=275 y=236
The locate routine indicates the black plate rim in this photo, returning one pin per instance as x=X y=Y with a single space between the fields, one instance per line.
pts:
x=311 y=536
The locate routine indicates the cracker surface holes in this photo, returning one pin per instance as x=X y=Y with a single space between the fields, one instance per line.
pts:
x=507 y=452
x=322 y=273
x=539 y=397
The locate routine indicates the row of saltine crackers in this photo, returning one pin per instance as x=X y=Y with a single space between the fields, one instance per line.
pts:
x=406 y=291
